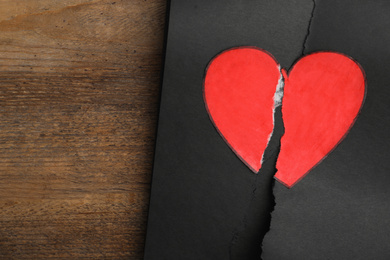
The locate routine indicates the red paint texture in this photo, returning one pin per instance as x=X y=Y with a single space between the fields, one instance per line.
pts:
x=323 y=94
x=238 y=90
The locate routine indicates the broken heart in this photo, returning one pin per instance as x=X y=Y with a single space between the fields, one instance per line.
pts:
x=323 y=93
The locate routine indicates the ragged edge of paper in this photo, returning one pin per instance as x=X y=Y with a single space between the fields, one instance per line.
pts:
x=278 y=98
x=278 y=101
x=308 y=28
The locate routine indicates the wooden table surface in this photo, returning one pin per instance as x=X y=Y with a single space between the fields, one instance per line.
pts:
x=79 y=93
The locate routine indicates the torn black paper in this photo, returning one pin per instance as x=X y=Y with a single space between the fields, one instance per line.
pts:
x=341 y=209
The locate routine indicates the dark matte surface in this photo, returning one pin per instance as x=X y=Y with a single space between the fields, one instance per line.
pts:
x=206 y=204
x=341 y=210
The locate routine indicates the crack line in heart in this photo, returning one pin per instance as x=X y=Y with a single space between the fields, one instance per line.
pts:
x=278 y=99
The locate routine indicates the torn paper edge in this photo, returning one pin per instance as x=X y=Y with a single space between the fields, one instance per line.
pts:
x=278 y=98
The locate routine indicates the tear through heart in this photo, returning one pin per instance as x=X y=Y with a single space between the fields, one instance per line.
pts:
x=323 y=94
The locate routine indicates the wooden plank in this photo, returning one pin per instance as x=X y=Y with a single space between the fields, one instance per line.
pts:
x=79 y=87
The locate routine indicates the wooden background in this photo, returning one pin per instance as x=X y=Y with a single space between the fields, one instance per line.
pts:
x=79 y=93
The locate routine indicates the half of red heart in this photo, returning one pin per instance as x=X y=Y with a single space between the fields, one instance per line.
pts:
x=239 y=88
x=323 y=94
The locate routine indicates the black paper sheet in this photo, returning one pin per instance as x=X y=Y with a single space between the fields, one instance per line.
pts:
x=341 y=209
x=206 y=203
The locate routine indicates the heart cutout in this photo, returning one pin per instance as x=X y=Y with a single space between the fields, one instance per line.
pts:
x=323 y=94
x=238 y=91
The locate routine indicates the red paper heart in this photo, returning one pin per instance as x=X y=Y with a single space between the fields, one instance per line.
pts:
x=238 y=90
x=323 y=94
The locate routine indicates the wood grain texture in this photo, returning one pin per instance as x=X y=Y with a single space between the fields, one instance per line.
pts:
x=79 y=91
